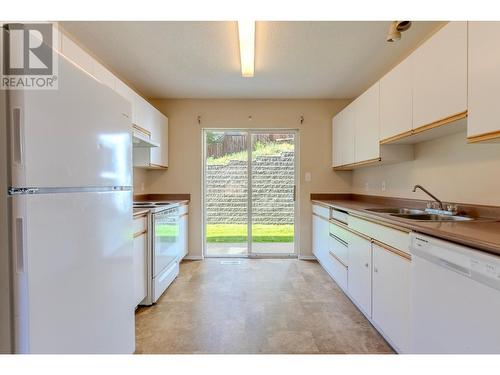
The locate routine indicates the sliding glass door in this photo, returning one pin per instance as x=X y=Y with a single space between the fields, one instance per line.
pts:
x=249 y=187
x=272 y=187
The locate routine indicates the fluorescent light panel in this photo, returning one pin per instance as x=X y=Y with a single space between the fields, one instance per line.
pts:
x=246 y=32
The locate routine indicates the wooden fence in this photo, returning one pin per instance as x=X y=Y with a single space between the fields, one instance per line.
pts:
x=231 y=143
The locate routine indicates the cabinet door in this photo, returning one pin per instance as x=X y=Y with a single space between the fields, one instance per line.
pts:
x=440 y=75
x=183 y=235
x=367 y=125
x=320 y=237
x=128 y=94
x=391 y=296
x=484 y=78
x=140 y=267
x=104 y=75
x=337 y=140
x=360 y=272
x=348 y=134
x=315 y=235
x=396 y=100
x=73 y=52
x=159 y=132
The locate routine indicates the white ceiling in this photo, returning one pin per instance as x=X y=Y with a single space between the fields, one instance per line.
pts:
x=336 y=59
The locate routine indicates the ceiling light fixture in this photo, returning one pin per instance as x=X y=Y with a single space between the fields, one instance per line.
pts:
x=246 y=33
x=395 y=30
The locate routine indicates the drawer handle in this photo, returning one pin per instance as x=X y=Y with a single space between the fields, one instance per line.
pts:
x=337 y=259
x=338 y=239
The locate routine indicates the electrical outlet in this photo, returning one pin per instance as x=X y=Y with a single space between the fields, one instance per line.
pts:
x=307 y=177
x=142 y=186
x=367 y=187
x=383 y=185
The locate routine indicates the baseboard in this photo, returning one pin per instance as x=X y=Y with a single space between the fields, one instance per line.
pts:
x=193 y=257
x=307 y=257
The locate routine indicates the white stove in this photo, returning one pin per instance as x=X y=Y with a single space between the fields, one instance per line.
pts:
x=155 y=206
x=165 y=254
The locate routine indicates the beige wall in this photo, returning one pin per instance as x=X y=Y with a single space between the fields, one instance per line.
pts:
x=185 y=150
x=449 y=167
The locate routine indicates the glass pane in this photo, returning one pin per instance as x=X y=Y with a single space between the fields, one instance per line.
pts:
x=273 y=184
x=226 y=194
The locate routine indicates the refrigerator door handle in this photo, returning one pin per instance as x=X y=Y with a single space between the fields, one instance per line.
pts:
x=17 y=134
x=20 y=242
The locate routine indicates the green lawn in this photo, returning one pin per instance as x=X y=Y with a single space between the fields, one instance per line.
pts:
x=234 y=233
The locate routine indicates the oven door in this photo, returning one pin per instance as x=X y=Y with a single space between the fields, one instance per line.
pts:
x=166 y=233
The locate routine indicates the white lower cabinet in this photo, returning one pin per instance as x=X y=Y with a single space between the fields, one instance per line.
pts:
x=321 y=238
x=183 y=231
x=141 y=246
x=337 y=265
x=374 y=274
x=391 y=299
x=360 y=273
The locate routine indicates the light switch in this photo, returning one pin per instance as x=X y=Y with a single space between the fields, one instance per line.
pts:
x=383 y=185
x=307 y=177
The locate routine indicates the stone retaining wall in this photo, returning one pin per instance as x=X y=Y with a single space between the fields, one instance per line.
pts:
x=273 y=183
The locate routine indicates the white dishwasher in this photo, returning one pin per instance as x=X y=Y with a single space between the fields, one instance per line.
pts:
x=455 y=301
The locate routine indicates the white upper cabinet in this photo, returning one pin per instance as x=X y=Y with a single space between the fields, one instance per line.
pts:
x=367 y=125
x=143 y=115
x=348 y=145
x=483 y=121
x=127 y=93
x=337 y=139
x=81 y=58
x=73 y=52
x=104 y=75
x=396 y=100
x=440 y=76
x=159 y=155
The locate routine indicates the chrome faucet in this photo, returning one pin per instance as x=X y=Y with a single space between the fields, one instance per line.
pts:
x=429 y=194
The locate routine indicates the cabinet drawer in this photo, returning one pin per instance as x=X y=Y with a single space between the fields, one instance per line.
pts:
x=321 y=211
x=339 y=215
x=339 y=249
x=400 y=239
x=337 y=270
x=339 y=232
x=140 y=224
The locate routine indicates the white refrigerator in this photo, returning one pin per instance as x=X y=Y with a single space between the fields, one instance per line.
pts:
x=70 y=228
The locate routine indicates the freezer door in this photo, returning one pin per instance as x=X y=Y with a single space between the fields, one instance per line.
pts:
x=74 y=136
x=73 y=267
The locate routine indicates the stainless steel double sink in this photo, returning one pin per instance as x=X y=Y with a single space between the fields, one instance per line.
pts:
x=417 y=214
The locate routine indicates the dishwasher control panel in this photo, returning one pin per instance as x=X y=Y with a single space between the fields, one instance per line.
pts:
x=475 y=264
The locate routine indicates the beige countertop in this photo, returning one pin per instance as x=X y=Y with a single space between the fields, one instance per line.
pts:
x=482 y=234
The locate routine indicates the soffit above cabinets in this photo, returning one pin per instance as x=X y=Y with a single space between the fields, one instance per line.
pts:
x=334 y=59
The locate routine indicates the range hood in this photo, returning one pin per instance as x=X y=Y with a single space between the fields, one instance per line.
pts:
x=143 y=140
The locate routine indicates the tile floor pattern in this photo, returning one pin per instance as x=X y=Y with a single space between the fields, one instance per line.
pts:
x=257 y=306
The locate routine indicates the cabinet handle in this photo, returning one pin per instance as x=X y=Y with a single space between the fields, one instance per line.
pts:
x=392 y=250
x=366 y=265
x=375 y=270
